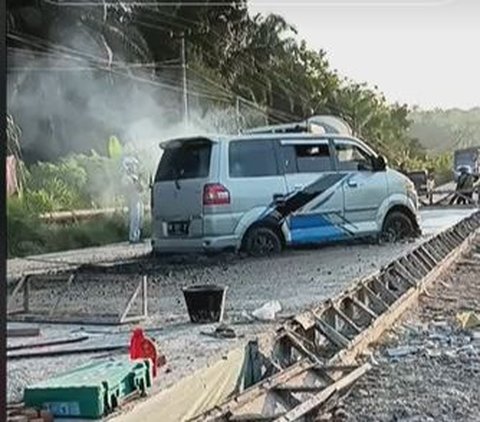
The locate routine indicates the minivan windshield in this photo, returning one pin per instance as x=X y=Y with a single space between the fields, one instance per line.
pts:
x=188 y=160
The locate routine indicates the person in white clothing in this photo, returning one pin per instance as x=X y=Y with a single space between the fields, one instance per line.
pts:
x=133 y=193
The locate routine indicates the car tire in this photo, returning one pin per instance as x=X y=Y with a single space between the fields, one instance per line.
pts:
x=262 y=241
x=396 y=227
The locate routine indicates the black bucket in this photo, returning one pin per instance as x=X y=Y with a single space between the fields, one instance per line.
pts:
x=205 y=303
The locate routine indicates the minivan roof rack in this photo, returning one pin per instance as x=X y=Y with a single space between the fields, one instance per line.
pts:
x=315 y=124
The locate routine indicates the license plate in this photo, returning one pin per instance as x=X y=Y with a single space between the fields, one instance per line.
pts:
x=178 y=228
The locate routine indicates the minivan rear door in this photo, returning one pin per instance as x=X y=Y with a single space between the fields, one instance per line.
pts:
x=177 y=199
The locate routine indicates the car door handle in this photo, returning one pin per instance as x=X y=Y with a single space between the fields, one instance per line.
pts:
x=352 y=183
x=298 y=187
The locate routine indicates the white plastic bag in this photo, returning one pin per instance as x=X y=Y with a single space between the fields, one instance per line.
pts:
x=268 y=311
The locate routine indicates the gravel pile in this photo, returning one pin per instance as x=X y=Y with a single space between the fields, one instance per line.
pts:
x=428 y=368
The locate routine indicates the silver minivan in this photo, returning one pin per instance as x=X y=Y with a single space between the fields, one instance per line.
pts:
x=269 y=189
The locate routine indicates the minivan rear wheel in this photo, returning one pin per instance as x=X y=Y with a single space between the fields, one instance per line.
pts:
x=262 y=241
x=397 y=226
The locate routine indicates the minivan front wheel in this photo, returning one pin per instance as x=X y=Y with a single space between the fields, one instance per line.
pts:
x=397 y=226
x=262 y=241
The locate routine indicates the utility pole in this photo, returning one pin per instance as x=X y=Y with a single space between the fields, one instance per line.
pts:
x=237 y=112
x=186 y=117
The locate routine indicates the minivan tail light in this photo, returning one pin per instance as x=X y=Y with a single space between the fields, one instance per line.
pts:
x=215 y=194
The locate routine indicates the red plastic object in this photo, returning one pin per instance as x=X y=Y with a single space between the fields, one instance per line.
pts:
x=142 y=347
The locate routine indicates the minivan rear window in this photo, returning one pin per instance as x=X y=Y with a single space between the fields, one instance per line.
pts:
x=189 y=160
x=252 y=158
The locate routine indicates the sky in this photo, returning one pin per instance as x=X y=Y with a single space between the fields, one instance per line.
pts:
x=419 y=52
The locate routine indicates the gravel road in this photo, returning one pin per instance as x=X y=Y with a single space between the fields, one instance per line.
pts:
x=428 y=367
x=296 y=278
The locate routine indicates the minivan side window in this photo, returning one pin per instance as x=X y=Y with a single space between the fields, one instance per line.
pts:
x=252 y=158
x=190 y=160
x=307 y=158
x=350 y=157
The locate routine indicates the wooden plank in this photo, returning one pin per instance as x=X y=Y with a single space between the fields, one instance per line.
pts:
x=64 y=352
x=256 y=391
x=364 y=308
x=57 y=342
x=374 y=298
x=300 y=388
x=315 y=401
x=130 y=302
x=346 y=319
x=66 y=319
x=331 y=334
x=253 y=417
x=17 y=288
x=301 y=348
x=63 y=293
x=145 y=296
x=404 y=273
x=383 y=289
x=26 y=294
x=23 y=332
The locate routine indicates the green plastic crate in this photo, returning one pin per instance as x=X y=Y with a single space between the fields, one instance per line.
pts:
x=91 y=391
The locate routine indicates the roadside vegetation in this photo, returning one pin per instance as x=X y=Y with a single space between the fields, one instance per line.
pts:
x=125 y=78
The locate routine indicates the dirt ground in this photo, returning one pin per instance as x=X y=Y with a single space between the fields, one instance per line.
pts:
x=297 y=279
x=428 y=367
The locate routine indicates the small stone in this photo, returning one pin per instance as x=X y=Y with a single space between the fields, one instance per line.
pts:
x=401 y=351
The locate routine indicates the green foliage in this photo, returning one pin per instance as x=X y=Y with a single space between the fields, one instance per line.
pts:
x=251 y=66
x=442 y=131
x=23 y=233
x=75 y=182
x=28 y=236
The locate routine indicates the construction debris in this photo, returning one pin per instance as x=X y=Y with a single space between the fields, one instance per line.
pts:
x=57 y=342
x=18 y=413
x=468 y=319
x=312 y=345
x=221 y=332
x=268 y=311
x=23 y=332
x=440 y=381
x=67 y=351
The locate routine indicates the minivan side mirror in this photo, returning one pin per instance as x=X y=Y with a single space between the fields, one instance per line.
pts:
x=379 y=163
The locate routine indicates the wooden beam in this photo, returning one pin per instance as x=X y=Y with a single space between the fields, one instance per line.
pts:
x=300 y=388
x=364 y=308
x=331 y=334
x=301 y=347
x=62 y=294
x=347 y=320
x=23 y=332
x=315 y=401
x=130 y=302
x=378 y=300
x=383 y=289
x=17 y=288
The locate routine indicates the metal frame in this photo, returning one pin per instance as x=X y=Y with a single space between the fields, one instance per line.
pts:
x=309 y=352
x=24 y=314
x=444 y=201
